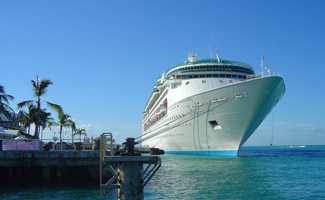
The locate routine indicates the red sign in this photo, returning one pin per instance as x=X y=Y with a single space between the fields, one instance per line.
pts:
x=20 y=145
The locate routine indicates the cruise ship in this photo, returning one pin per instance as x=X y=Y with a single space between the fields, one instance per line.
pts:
x=208 y=106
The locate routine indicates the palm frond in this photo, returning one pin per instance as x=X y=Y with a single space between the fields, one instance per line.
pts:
x=3 y=96
x=43 y=86
x=2 y=90
x=65 y=117
x=6 y=107
x=25 y=103
x=34 y=84
x=80 y=132
x=55 y=107
x=52 y=123
x=73 y=125
x=40 y=86
x=6 y=98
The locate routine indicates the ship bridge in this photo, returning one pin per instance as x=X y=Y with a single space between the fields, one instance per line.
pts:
x=214 y=67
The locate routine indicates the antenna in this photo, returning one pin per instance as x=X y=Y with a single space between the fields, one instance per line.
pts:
x=218 y=58
x=262 y=64
x=190 y=53
x=191 y=57
x=269 y=70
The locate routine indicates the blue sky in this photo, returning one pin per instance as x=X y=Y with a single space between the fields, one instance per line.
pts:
x=104 y=56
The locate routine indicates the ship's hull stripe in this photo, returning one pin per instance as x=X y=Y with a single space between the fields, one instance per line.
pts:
x=205 y=153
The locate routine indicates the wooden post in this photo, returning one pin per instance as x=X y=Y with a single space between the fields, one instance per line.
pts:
x=130 y=180
x=46 y=173
x=11 y=172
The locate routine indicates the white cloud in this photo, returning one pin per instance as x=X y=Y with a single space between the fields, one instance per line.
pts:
x=318 y=131
x=87 y=127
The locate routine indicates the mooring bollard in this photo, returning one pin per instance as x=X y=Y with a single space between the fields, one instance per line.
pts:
x=129 y=145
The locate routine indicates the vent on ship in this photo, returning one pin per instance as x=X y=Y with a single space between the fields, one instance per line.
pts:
x=215 y=125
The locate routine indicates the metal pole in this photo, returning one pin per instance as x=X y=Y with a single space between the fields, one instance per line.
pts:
x=101 y=156
x=262 y=65
x=111 y=147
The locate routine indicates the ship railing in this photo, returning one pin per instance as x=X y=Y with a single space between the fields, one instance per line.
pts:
x=249 y=77
x=261 y=75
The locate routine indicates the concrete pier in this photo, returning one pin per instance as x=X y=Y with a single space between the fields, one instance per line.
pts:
x=48 y=158
x=128 y=173
x=23 y=167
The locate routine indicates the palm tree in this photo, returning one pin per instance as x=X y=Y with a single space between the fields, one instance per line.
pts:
x=44 y=119
x=52 y=123
x=24 y=121
x=64 y=121
x=5 y=109
x=39 y=88
x=27 y=118
x=80 y=132
x=4 y=100
x=73 y=129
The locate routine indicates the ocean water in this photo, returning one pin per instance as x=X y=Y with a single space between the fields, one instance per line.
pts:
x=276 y=172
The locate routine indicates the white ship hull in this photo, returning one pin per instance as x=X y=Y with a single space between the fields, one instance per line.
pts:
x=213 y=120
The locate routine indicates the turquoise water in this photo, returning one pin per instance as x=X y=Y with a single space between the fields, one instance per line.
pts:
x=288 y=172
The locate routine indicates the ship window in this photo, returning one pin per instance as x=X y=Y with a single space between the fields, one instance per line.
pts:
x=240 y=76
x=222 y=75
x=204 y=81
x=202 y=75
x=187 y=83
x=230 y=81
x=190 y=76
x=196 y=76
x=221 y=81
x=215 y=125
x=228 y=75
x=209 y=75
x=215 y=75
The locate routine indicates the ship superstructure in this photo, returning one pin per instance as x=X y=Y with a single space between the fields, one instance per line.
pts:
x=208 y=106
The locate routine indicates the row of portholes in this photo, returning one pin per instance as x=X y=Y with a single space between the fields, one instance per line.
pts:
x=176 y=116
x=179 y=126
x=204 y=81
x=173 y=135
x=173 y=107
